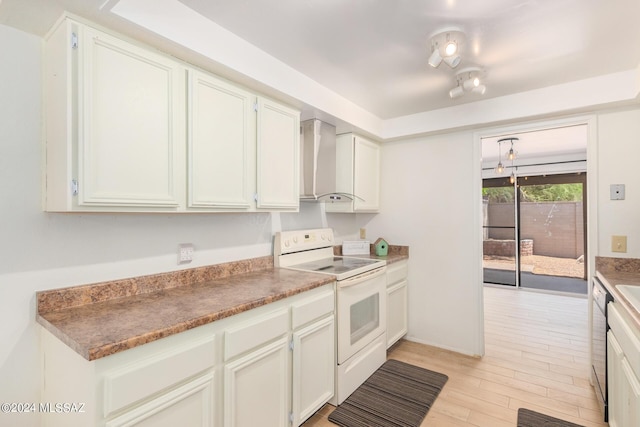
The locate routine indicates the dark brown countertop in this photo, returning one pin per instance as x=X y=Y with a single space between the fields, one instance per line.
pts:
x=105 y=318
x=613 y=272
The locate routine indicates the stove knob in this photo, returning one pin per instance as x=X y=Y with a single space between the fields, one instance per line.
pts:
x=330 y=238
x=286 y=243
x=295 y=239
x=323 y=237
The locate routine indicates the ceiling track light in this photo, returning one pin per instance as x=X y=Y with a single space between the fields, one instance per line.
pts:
x=468 y=80
x=456 y=92
x=445 y=46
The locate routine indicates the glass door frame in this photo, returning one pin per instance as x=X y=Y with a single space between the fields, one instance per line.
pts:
x=565 y=178
x=504 y=182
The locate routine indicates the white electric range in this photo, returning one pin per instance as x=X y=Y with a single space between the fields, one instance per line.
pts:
x=360 y=301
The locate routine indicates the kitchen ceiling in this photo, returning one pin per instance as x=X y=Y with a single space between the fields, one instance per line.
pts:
x=374 y=53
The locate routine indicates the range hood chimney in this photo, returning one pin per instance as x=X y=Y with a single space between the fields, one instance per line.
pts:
x=318 y=163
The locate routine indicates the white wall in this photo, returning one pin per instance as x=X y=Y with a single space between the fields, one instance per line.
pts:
x=618 y=159
x=40 y=250
x=429 y=195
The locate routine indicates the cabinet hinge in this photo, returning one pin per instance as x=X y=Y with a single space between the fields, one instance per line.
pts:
x=74 y=187
x=255 y=197
x=74 y=41
x=291 y=417
x=255 y=106
x=291 y=345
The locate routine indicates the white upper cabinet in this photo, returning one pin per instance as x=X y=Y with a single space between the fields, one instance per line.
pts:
x=366 y=175
x=357 y=173
x=221 y=148
x=115 y=126
x=129 y=129
x=278 y=156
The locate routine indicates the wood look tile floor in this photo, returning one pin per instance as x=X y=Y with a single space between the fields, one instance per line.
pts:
x=536 y=356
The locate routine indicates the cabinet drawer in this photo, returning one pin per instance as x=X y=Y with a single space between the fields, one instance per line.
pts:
x=187 y=405
x=254 y=332
x=397 y=272
x=626 y=334
x=312 y=308
x=136 y=381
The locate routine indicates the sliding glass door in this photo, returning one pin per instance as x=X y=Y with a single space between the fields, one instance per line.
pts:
x=534 y=232
x=552 y=227
x=500 y=255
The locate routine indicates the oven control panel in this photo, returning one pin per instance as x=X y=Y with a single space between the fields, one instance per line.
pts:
x=302 y=240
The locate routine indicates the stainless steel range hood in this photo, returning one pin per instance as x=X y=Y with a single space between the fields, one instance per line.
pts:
x=318 y=163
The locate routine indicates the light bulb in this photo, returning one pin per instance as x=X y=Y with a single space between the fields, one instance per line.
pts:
x=450 y=48
x=512 y=178
x=499 y=168
x=511 y=155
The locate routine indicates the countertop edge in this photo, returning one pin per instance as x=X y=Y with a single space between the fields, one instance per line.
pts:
x=52 y=303
x=91 y=353
x=611 y=284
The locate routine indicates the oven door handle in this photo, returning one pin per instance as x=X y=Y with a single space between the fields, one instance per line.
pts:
x=356 y=280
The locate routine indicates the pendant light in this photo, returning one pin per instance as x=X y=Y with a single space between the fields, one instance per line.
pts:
x=499 y=168
x=511 y=154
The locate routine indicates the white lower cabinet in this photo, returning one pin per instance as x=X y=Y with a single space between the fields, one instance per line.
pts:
x=265 y=366
x=623 y=369
x=257 y=390
x=397 y=320
x=314 y=367
x=188 y=405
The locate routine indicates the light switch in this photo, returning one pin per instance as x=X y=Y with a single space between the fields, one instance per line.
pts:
x=618 y=243
x=617 y=191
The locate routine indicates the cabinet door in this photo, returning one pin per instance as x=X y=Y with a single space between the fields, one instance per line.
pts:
x=190 y=405
x=630 y=404
x=220 y=144
x=396 y=312
x=314 y=367
x=278 y=159
x=366 y=179
x=615 y=382
x=131 y=125
x=257 y=387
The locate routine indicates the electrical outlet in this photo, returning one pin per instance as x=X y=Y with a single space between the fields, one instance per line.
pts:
x=185 y=253
x=618 y=243
x=616 y=191
x=363 y=233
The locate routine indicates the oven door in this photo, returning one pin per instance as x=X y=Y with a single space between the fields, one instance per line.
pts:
x=362 y=308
